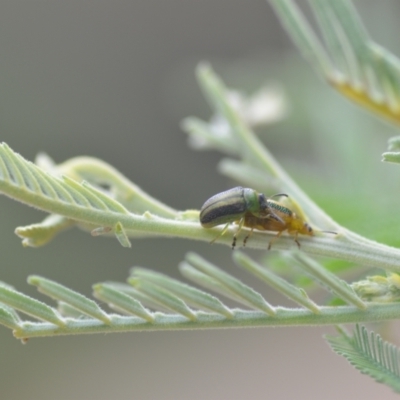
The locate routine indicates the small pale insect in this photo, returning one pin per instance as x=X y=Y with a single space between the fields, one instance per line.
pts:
x=292 y=223
x=232 y=206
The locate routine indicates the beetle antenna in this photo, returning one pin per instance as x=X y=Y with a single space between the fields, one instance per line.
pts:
x=279 y=195
x=332 y=232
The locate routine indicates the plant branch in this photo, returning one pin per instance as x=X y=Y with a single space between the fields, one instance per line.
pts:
x=202 y=320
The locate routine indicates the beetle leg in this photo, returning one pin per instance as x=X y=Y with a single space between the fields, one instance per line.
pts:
x=274 y=239
x=241 y=223
x=247 y=237
x=221 y=233
x=297 y=242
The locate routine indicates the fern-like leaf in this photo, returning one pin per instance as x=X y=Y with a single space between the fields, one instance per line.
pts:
x=351 y=62
x=79 y=203
x=100 y=174
x=24 y=181
x=154 y=301
x=370 y=354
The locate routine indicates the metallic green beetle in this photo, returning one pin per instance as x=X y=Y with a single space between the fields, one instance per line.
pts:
x=232 y=206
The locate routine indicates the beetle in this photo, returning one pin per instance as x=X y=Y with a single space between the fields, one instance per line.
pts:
x=292 y=223
x=232 y=206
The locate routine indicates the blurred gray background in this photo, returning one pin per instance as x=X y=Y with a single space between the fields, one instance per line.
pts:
x=113 y=80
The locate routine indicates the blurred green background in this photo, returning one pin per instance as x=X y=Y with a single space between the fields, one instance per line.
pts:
x=113 y=80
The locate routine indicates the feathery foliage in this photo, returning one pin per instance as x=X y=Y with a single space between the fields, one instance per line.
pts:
x=92 y=195
x=176 y=305
x=371 y=355
x=153 y=301
x=350 y=61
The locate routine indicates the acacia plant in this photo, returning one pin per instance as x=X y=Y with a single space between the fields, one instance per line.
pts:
x=92 y=195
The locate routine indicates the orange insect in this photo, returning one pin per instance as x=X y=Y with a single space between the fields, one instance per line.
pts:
x=292 y=223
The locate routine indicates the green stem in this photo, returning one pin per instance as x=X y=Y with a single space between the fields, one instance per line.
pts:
x=283 y=317
x=253 y=151
x=126 y=192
